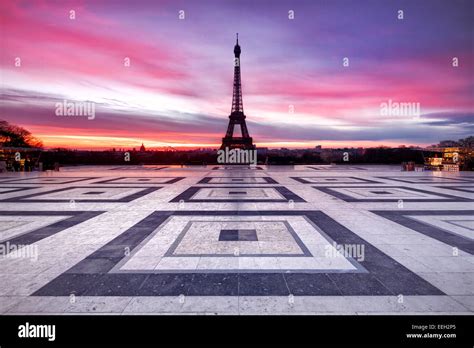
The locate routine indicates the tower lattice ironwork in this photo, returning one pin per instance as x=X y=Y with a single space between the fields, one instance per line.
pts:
x=237 y=116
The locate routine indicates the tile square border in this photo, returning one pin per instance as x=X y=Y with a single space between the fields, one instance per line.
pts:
x=75 y=218
x=22 y=199
x=77 y=179
x=304 y=250
x=337 y=168
x=91 y=277
x=455 y=224
x=402 y=217
x=222 y=167
x=406 y=180
x=134 y=167
x=445 y=198
x=190 y=192
x=207 y=179
x=114 y=180
x=17 y=189
x=457 y=188
x=301 y=179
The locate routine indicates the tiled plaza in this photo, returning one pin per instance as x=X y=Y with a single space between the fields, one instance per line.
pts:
x=354 y=239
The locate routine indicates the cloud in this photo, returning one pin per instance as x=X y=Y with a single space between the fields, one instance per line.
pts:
x=178 y=87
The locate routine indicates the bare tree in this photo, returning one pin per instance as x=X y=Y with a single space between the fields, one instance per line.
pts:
x=16 y=136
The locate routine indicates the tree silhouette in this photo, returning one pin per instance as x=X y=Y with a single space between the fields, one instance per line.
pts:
x=467 y=142
x=16 y=136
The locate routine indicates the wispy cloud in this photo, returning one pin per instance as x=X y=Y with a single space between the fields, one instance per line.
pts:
x=177 y=89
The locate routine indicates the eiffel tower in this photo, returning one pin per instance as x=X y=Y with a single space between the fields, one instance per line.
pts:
x=237 y=116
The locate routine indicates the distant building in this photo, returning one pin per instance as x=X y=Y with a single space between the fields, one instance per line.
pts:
x=142 y=148
x=451 y=159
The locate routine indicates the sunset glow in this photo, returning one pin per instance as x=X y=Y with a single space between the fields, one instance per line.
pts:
x=177 y=89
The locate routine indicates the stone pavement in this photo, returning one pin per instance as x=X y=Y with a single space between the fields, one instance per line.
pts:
x=354 y=239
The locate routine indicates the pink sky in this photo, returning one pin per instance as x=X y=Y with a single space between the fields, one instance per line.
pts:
x=177 y=90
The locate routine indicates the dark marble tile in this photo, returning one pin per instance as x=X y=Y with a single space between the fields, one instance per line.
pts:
x=67 y=284
x=167 y=284
x=311 y=284
x=238 y=235
x=262 y=284
x=127 y=284
x=115 y=250
x=359 y=284
x=406 y=282
x=214 y=284
x=94 y=265
x=228 y=235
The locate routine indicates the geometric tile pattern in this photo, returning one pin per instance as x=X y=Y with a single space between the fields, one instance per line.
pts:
x=85 y=194
x=187 y=239
x=387 y=194
x=10 y=189
x=51 y=180
x=237 y=180
x=23 y=228
x=381 y=275
x=452 y=227
x=231 y=194
x=469 y=189
x=235 y=167
x=333 y=180
x=135 y=168
x=336 y=168
x=427 y=180
x=141 y=180
x=211 y=237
